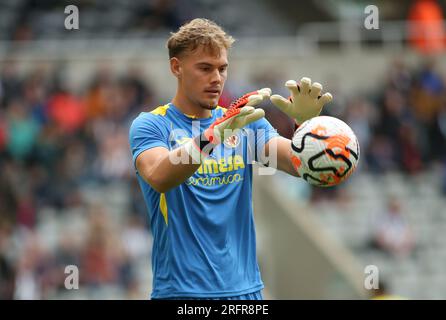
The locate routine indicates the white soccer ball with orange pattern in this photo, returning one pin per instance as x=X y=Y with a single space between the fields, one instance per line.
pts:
x=324 y=151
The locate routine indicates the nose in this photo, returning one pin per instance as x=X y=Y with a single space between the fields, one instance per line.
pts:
x=216 y=76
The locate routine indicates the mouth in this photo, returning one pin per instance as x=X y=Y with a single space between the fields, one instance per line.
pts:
x=212 y=92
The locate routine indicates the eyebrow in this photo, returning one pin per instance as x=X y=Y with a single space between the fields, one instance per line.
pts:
x=207 y=64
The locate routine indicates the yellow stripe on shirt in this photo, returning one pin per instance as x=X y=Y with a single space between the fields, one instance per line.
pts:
x=163 y=207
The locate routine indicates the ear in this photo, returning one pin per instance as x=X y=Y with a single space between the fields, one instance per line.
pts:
x=175 y=67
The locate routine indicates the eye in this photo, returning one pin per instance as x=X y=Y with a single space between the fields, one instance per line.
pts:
x=223 y=69
x=205 y=68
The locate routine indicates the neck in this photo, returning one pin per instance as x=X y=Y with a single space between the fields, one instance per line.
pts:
x=190 y=108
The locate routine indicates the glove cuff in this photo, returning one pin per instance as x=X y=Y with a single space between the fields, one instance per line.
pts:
x=242 y=101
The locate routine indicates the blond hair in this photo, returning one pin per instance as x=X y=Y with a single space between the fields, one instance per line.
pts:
x=198 y=32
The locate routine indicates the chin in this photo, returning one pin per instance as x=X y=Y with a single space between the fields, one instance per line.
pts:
x=211 y=105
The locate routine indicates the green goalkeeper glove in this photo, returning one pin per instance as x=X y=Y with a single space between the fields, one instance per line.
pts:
x=305 y=101
x=239 y=114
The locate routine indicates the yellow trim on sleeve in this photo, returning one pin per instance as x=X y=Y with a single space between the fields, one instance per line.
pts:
x=163 y=207
x=161 y=110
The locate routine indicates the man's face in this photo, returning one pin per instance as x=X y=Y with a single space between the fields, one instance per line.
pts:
x=202 y=76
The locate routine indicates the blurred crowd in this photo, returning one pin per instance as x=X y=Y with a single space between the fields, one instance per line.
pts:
x=404 y=128
x=59 y=147
x=54 y=143
x=32 y=19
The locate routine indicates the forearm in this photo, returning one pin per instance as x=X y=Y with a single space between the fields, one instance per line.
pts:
x=171 y=170
x=278 y=153
x=164 y=169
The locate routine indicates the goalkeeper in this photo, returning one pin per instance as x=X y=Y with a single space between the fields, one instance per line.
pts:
x=192 y=163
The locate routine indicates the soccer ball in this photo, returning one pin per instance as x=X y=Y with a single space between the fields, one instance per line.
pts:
x=324 y=151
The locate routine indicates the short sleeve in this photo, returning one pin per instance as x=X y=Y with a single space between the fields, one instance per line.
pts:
x=147 y=131
x=264 y=132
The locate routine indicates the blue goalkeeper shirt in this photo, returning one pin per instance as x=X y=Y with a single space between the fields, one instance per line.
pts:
x=203 y=230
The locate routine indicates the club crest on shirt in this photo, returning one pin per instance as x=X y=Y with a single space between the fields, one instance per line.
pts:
x=232 y=141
